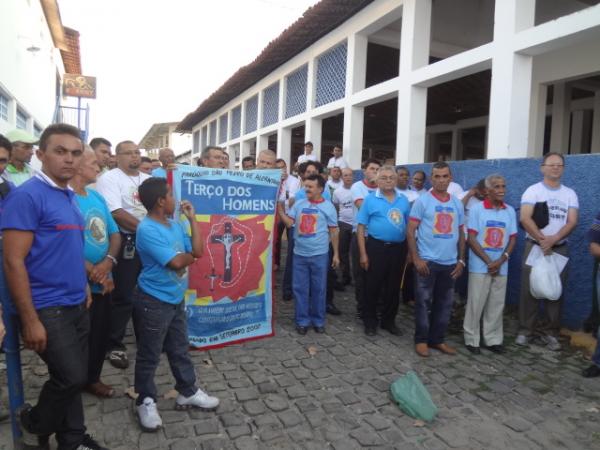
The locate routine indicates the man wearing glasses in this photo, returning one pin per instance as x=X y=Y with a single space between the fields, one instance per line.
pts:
x=563 y=208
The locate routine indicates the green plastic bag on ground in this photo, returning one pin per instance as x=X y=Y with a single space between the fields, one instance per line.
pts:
x=413 y=398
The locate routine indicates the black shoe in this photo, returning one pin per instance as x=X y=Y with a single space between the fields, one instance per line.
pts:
x=331 y=309
x=474 y=350
x=320 y=330
x=30 y=440
x=89 y=444
x=369 y=331
x=498 y=349
x=591 y=372
x=301 y=330
x=392 y=329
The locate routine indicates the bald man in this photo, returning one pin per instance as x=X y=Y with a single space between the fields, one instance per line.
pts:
x=166 y=156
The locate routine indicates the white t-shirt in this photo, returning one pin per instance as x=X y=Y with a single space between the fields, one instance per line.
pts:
x=339 y=162
x=359 y=191
x=409 y=194
x=419 y=191
x=342 y=197
x=559 y=200
x=290 y=186
x=121 y=192
x=473 y=201
x=333 y=185
x=304 y=157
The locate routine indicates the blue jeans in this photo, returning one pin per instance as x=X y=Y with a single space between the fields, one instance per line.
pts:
x=310 y=286
x=435 y=294
x=596 y=357
x=161 y=325
x=287 y=275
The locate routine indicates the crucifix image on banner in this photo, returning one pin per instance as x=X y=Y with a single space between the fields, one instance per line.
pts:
x=229 y=298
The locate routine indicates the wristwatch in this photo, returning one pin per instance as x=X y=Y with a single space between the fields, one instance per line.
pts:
x=112 y=258
x=462 y=262
x=507 y=255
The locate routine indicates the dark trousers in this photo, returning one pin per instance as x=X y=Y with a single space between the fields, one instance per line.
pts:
x=277 y=250
x=125 y=276
x=383 y=281
x=359 y=275
x=435 y=294
x=408 y=280
x=99 y=326
x=345 y=241
x=529 y=306
x=289 y=265
x=59 y=408
x=160 y=325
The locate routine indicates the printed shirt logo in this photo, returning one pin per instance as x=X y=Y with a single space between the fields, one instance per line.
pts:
x=443 y=219
x=308 y=222
x=493 y=235
x=395 y=217
x=97 y=228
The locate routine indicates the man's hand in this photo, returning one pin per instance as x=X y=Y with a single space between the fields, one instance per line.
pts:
x=172 y=166
x=88 y=297
x=335 y=262
x=34 y=336
x=494 y=267
x=100 y=271
x=421 y=266
x=2 y=329
x=364 y=262
x=547 y=242
x=458 y=270
x=108 y=286
x=188 y=210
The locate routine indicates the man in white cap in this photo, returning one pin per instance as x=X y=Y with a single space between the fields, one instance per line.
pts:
x=19 y=170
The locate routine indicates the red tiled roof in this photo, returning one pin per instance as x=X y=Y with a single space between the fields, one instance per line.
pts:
x=315 y=23
x=71 y=57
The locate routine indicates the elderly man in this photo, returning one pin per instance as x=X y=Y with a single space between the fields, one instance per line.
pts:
x=563 y=208
x=436 y=242
x=384 y=214
x=266 y=159
x=19 y=170
x=166 y=156
x=101 y=248
x=492 y=231
x=212 y=157
x=120 y=189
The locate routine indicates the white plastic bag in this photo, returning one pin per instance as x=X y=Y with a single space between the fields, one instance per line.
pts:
x=544 y=280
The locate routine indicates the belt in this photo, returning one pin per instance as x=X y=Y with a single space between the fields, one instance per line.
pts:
x=560 y=244
x=387 y=243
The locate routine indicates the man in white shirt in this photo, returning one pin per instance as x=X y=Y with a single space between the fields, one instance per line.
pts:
x=342 y=199
x=551 y=237
x=308 y=154
x=337 y=160
x=289 y=186
x=119 y=187
x=402 y=184
x=335 y=179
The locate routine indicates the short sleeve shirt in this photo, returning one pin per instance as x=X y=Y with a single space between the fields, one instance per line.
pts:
x=312 y=224
x=159 y=172
x=440 y=223
x=301 y=194
x=304 y=157
x=359 y=190
x=158 y=244
x=337 y=162
x=493 y=228
x=409 y=194
x=385 y=220
x=342 y=197
x=559 y=200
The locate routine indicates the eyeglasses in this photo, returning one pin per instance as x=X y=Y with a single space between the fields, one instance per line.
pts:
x=386 y=178
x=554 y=166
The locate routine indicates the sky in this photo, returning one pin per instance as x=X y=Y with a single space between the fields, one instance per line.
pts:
x=157 y=60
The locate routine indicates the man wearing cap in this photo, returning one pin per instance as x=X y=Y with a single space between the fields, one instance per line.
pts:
x=19 y=170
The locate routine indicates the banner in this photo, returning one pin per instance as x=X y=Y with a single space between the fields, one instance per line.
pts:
x=229 y=299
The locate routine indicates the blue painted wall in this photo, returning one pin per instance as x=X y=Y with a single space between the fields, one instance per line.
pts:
x=582 y=173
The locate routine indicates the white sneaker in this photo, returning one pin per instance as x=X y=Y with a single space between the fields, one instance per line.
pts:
x=199 y=400
x=521 y=340
x=551 y=343
x=148 y=415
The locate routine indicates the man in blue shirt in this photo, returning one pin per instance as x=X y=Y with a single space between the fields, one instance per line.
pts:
x=492 y=226
x=159 y=315
x=435 y=240
x=167 y=161
x=384 y=214
x=45 y=268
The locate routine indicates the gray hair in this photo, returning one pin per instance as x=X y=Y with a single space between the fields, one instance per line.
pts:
x=490 y=178
x=206 y=152
x=386 y=168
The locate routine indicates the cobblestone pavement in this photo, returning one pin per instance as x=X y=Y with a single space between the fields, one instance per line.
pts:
x=332 y=391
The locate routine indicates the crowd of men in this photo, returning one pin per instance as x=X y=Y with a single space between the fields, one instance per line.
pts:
x=88 y=243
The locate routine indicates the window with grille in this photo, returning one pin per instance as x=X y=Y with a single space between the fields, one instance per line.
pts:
x=251 y=114
x=21 y=120
x=213 y=133
x=270 y=112
x=3 y=107
x=204 y=137
x=223 y=128
x=196 y=142
x=295 y=92
x=331 y=75
x=236 y=122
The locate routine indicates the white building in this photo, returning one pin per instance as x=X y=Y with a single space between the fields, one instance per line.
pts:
x=162 y=135
x=417 y=80
x=36 y=50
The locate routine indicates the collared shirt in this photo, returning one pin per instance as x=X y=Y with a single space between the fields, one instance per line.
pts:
x=493 y=227
x=159 y=172
x=385 y=220
x=301 y=194
x=440 y=221
x=337 y=162
x=312 y=222
x=55 y=262
x=18 y=177
x=360 y=190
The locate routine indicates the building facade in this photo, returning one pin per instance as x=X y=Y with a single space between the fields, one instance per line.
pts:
x=416 y=81
x=162 y=135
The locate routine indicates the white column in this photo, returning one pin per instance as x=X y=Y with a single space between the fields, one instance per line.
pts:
x=596 y=124
x=412 y=100
x=284 y=144
x=561 y=118
x=455 y=144
x=576 y=133
x=353 y=135
x=311 y=84
x=356 y=63
x=242 y=120
x=244 y=149
x=313 y=131
x=510 y=94
x=259 y=112
x=262 y=143
x=281 y=105
x=537 y=120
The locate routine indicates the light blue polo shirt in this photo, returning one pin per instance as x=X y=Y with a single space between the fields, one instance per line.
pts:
x=439 y=225
x=159 y=172
x=493 y=228
x=312 y=222
x=385 y=220
x=301 y=194
x=158 y=244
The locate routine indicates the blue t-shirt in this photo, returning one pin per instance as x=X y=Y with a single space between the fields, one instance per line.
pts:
x=385 y=220
x=493 y=228
x=158 y=244
x=312 y=223
x=439 y=225
x=99 y=225
x=55 y=263
x=159 y=172
x=10 y=186
x=301 y=194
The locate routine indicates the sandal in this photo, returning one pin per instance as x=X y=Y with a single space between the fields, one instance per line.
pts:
x=99 y=389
